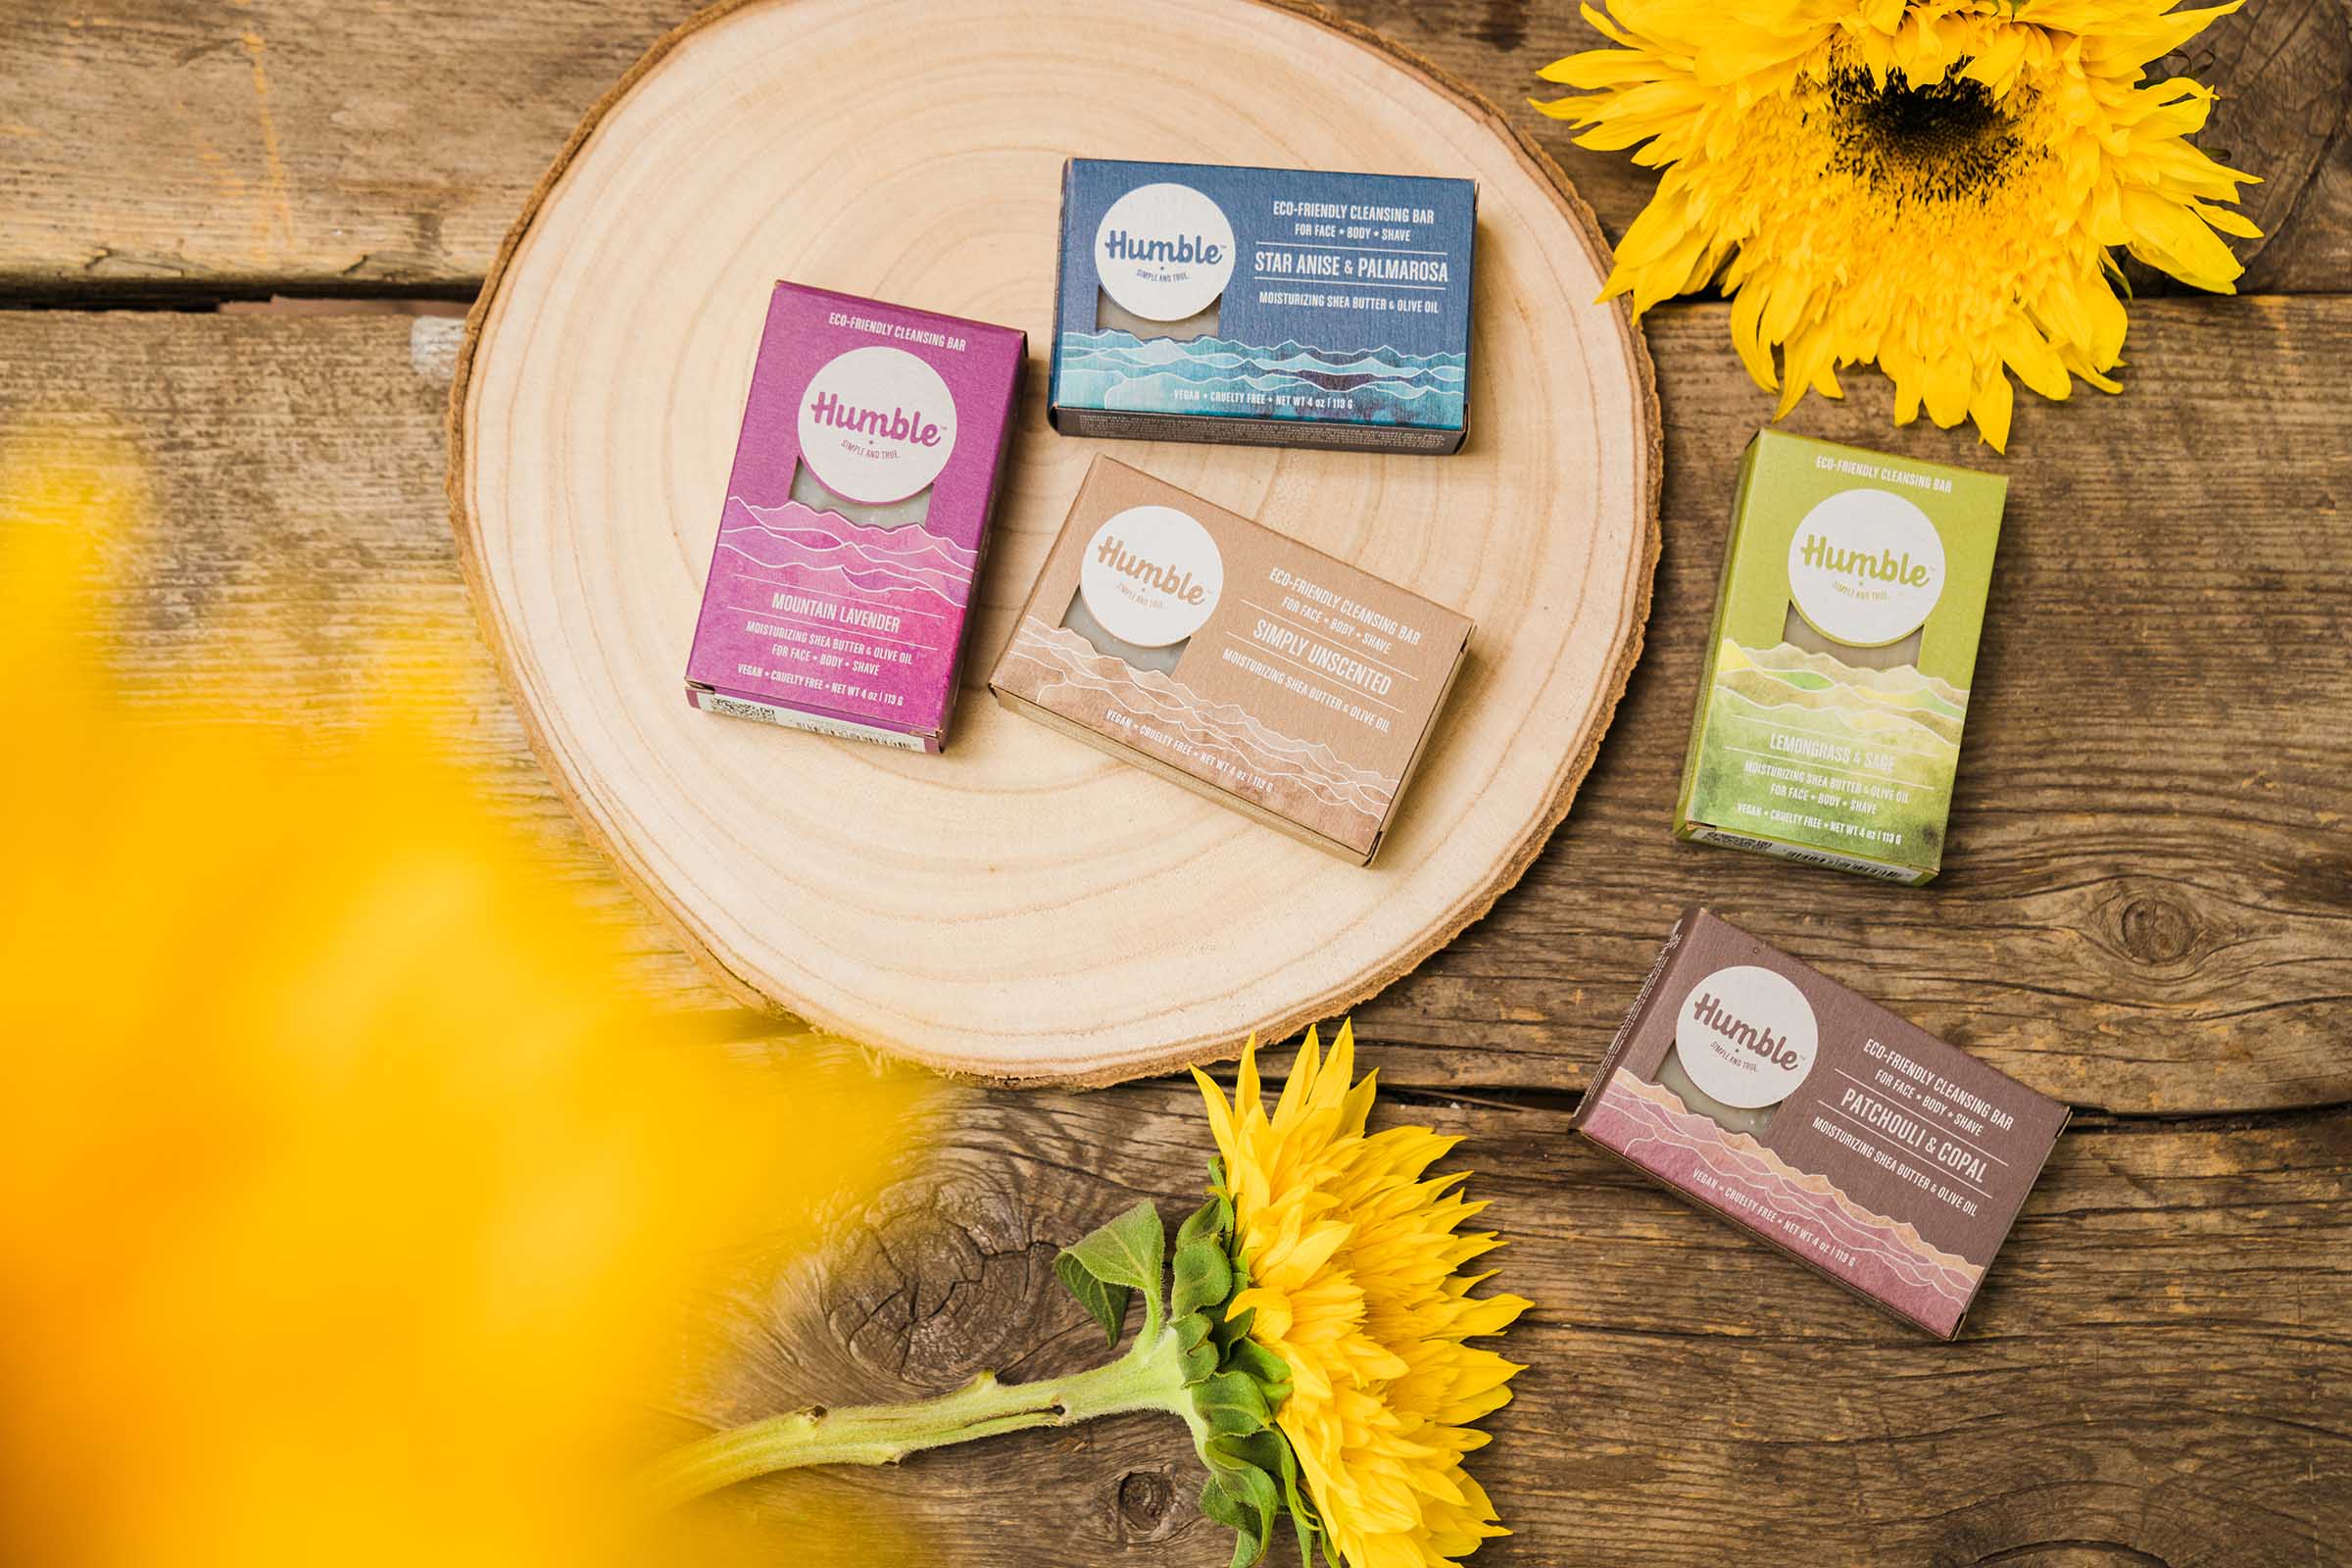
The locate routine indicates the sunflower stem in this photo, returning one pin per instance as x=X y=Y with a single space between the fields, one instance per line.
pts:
x=1149 y=1377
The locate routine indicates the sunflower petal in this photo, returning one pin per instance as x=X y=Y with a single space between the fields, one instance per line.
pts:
x=1842 y=241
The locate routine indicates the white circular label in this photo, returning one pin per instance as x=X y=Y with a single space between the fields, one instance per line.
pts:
x=1152 y=576
x=1746 y=1036
x=1865 y=567
x=1165 y=252
x=877 y=424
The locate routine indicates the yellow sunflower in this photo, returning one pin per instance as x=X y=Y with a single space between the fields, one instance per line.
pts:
x=352 y=1193
x=1353 y=1261
x=1310 y=1333
x=1936 y=187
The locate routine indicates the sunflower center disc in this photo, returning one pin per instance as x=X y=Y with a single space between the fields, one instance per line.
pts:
x=1942 y=141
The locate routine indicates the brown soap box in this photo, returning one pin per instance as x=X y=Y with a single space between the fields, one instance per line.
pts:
x=1819 y=1122
x=1230 y=660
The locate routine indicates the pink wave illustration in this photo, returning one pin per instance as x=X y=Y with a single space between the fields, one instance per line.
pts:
x=865 y=587
x=1649 y=1125
x=788 y=556
x=1069 y=663
x=908 y=545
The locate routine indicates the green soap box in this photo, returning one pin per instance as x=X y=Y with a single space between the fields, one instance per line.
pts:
x=1837 y=673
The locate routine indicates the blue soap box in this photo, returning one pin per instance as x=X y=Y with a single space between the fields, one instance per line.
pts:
x=1272 y=306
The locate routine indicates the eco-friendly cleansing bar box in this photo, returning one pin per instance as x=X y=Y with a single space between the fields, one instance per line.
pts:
x=1821 y=1123
x=1837 y=675
x=1232 y=661
x=856 y=518
x=1270 y=306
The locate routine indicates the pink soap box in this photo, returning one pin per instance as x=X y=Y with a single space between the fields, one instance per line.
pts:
x=856 y=518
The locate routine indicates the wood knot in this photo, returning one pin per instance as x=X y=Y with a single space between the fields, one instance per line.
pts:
x=1146 y=1497
x=938 y=1283
x=2157 y=931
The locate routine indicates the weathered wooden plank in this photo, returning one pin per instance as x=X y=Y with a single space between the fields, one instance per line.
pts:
x=2149 y=900
x=2159 y=1370
x=223 y=146
x=2146 y=789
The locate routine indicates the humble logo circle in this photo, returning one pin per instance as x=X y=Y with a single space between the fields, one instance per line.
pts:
x=1746 y=1036
x=1165 y=252
x=877 y=424
x=1865 y=567
x=1152 y=576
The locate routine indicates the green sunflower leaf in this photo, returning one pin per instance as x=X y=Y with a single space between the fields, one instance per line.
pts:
x=1226 y=1508
x=1306 y=1524
x=1243 y=1450
x=1269 y=1453
x=1122 y=1256
x=1203 y=1278
x=1221 y=1505
x=1105 y=1304
x=1244 y=1500
x=1237 y=1385
x=1232 y=1403
x=1210 y=1222
x=1261 y=1366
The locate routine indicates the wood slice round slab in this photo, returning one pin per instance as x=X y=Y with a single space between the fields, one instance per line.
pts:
x=1024 y=909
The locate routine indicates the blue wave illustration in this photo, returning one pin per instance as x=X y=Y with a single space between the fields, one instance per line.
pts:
x=1213 y=375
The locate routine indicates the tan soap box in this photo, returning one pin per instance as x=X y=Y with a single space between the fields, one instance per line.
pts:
x=1230 y=660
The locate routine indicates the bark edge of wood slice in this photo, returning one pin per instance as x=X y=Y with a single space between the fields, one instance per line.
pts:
x=1023 y=910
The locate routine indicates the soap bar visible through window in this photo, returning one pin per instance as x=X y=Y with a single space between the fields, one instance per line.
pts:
x=1112 y=316
x=810 y=492
x=1082 y=620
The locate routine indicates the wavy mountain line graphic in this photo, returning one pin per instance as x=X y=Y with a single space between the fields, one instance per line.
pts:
x=887 y=588
x=1924 y=734
x=1127 y=345
x=1115 y=369
x=1075 y=378
x=1205 y=370
x=1887 y=732
x=788 y=552
x=1785 y=659
x=1216 y=367
x=1069 y=660
x=831 y=581
x=1371 y=406
x=906 y=567
x=1804 y=680
x=1655 y=1114
x=1315 y=752
x=908 y=545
